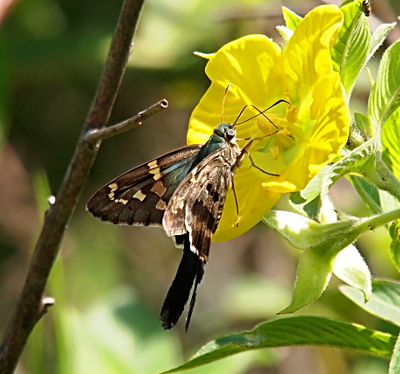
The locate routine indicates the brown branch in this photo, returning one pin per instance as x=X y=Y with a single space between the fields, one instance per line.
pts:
x=95 y=136
x=32 y=303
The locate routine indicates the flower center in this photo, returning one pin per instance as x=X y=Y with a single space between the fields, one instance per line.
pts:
x=277 y=129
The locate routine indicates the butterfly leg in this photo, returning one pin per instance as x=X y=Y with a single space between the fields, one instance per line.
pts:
x=236 y=204
x=253 y=164
x=257 y=167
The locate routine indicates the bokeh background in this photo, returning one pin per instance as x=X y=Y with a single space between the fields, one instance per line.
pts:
x=109 y=282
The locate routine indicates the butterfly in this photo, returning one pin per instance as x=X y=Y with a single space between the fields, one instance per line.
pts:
x=184 y=192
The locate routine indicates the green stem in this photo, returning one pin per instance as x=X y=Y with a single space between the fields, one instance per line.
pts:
x=379 y=220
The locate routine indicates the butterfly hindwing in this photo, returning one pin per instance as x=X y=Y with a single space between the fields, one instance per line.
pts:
x=196 y=206
x=140 y=196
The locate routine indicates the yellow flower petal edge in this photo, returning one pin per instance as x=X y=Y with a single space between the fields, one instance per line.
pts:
x=299 y=138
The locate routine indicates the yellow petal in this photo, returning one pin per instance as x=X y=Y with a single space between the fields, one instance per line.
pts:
x=250 y=66
x=307 y=54
x=254 y=202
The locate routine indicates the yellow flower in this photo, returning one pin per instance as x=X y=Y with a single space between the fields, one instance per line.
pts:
x=298 y=138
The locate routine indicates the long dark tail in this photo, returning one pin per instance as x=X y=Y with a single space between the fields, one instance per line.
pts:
x=190 y=270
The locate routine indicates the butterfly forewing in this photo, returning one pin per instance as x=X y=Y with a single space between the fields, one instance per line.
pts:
x=141 y=195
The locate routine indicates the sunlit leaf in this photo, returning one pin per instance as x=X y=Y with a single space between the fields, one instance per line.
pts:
x=384 y=302
x=291 y=18
x=294 y=331
x=314 y=272
x=385 y=94
x=379 y=36
x=350 y=267
x=391 y=141
x=350 y=51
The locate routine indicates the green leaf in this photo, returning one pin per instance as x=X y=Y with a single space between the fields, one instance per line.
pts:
x=391 y=142
x=368 y=192
x=385 y=95
x=294 y=331
x=378 y=37
x=384 y=302
x=291 y=18
x=314 y=272
x=351 y=49
x=394 y=231
x=350 y=267
x=363 y=124
x=394 y=367
x=388 y=201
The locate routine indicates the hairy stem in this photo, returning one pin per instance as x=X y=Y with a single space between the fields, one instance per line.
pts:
x=33 y=303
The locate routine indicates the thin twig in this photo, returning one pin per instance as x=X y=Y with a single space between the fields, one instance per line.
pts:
x=95 y=136
x=32 y=302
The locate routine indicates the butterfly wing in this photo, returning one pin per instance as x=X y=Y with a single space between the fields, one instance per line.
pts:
x=196 y=205
x=140 y=196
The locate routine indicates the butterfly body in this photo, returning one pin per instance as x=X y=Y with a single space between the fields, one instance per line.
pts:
x=184 y=191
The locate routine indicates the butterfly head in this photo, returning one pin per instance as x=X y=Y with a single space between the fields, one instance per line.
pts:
x=226 y=131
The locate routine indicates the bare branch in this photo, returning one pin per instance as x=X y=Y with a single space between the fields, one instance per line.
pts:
x=97 y=135
x=32 y=304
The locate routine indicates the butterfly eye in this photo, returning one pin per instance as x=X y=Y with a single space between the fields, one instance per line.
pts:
x=230 y=134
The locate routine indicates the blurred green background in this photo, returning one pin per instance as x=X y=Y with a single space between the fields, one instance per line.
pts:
x=109 y=282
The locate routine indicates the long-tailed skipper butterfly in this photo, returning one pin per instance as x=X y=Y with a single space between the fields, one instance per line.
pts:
x=183 y=191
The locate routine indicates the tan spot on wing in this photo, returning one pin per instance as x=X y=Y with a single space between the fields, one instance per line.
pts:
x=154 y=169
x=122 y=201
x=112 y=187
x=139 y=195
x=156 y=173
x=161 y=205
x=152 y=164
x=159 y=189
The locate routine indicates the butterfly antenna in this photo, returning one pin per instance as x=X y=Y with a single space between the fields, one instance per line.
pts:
x=223 y=100
x=260 y=112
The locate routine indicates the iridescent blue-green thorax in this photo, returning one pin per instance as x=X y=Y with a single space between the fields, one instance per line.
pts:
x=224 y=134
